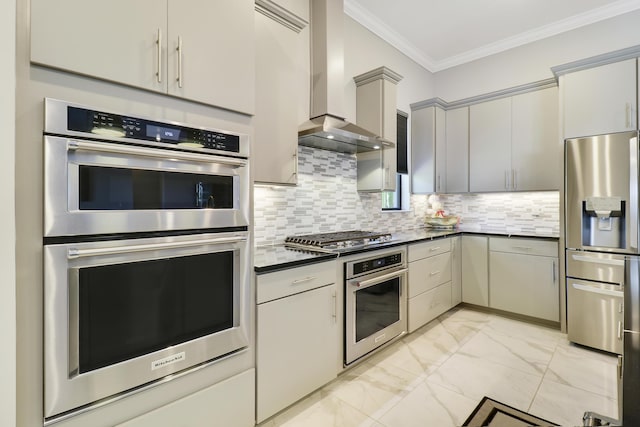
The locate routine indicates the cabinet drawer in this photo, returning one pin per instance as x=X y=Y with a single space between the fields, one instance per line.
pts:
x=523 y=246
x=427 y=273
x=426 y=249
x=280 y=284
x=429 y=305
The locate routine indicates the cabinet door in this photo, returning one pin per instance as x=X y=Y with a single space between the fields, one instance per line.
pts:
x=525 y=284
x=456 y=271
x=441 y=151
x=279 y=51
x=115 y=41
x=297 y=348
x=600 y=100
x=535 y=141
x=216 y=63
x=457 y=149
x=475 y=274
x=423 y=150
x=490 y=146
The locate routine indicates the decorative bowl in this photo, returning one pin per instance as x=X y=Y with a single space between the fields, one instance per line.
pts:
x=442 y=222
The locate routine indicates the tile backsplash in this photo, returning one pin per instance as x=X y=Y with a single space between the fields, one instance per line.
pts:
x=326 y=199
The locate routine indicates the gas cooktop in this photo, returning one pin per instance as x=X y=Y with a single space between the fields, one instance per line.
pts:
x=334 y=242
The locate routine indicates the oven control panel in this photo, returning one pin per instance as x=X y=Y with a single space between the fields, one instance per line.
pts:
x=374 y=264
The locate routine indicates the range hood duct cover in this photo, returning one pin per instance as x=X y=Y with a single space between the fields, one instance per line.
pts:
x=327 y=129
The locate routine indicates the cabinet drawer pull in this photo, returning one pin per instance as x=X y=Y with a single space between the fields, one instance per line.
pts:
x=437 y=248
x=304 y=280
x=334 y=304
x=434 y=273
x=524 y=248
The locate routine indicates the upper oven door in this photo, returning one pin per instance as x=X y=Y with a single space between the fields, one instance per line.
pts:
x=94 y=187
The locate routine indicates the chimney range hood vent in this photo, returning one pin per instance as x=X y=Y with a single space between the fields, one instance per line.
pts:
x=327 y=129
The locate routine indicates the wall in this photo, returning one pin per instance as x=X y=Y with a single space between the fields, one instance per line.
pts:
x=326 y=199
x=364 y=51
x=532 y=62
x=7 y=216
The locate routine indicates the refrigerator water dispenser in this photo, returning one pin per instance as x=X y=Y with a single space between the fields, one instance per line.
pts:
x=603 y=222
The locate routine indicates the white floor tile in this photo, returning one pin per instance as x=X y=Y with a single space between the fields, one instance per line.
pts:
x=566 y=405
x=429 y=405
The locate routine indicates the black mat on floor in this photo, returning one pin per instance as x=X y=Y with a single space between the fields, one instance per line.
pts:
x=492 y=413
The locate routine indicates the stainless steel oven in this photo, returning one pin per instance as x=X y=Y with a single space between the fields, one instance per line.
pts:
x=113 y=173
x=146 y=253
x=122 y=313
x=375 y=302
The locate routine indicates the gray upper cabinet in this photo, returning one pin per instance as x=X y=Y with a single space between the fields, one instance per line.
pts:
x=428 y=153
x=600 y=100
x=194 y=49
x=376 y=93
x=511 y=139
x=536 y=148
x=490 y=146
x=282 y=57
x=457 y=150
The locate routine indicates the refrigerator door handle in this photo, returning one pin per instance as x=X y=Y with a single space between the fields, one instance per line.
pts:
x=633 y=193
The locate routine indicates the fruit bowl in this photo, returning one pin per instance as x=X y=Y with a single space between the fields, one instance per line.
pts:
x=442 y=221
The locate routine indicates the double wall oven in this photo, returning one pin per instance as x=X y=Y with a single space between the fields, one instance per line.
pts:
x=146 y=252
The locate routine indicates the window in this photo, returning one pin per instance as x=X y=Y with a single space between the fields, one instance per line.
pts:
x=397 y=200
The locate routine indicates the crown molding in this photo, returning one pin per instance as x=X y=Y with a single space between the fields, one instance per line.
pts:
x=279 y=14
x=362 y=16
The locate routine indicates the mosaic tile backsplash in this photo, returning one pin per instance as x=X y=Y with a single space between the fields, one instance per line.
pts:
x=326 y=200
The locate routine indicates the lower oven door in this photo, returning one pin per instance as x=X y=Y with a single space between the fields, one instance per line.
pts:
x=375 y=311
x=120 y=314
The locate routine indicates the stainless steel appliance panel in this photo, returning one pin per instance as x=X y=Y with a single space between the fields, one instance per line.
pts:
x=594 y=314
x=66 y=162
x=375 y=302
x=74 y=379
x=630 y=409
x=602 y=193
x=600 y=267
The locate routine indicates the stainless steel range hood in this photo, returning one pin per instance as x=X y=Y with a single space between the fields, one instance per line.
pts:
x=327 y=128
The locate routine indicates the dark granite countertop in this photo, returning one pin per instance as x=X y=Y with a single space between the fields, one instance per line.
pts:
x=278 y=257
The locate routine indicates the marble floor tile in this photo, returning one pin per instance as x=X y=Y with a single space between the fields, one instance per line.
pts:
x=429 y=405
x=420 y=352
x=321 y=409
x=462 y=324
x=373 y=389
x=515 y=352
x=535 y=334
x=475 y=378
x=585 y=369
x=566 y=405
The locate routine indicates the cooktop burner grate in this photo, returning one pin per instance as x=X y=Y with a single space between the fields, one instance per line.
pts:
x=340 y=239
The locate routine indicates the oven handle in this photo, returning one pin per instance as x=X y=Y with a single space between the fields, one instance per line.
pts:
x=74 y=253
x=74 y=145
x=378 y=279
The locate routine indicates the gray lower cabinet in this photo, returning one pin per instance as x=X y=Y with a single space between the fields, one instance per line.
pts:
x=297 y=335
x=475 y=270
x=524 y=277
x=456 y=270
x=430 y=286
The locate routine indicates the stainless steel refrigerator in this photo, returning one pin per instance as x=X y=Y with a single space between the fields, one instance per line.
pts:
x=602 y=256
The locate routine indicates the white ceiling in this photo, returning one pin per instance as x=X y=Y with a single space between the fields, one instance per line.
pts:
x=439 y=34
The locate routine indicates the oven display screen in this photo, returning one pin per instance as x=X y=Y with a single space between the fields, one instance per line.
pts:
x=376 y=263
x=163 y=133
